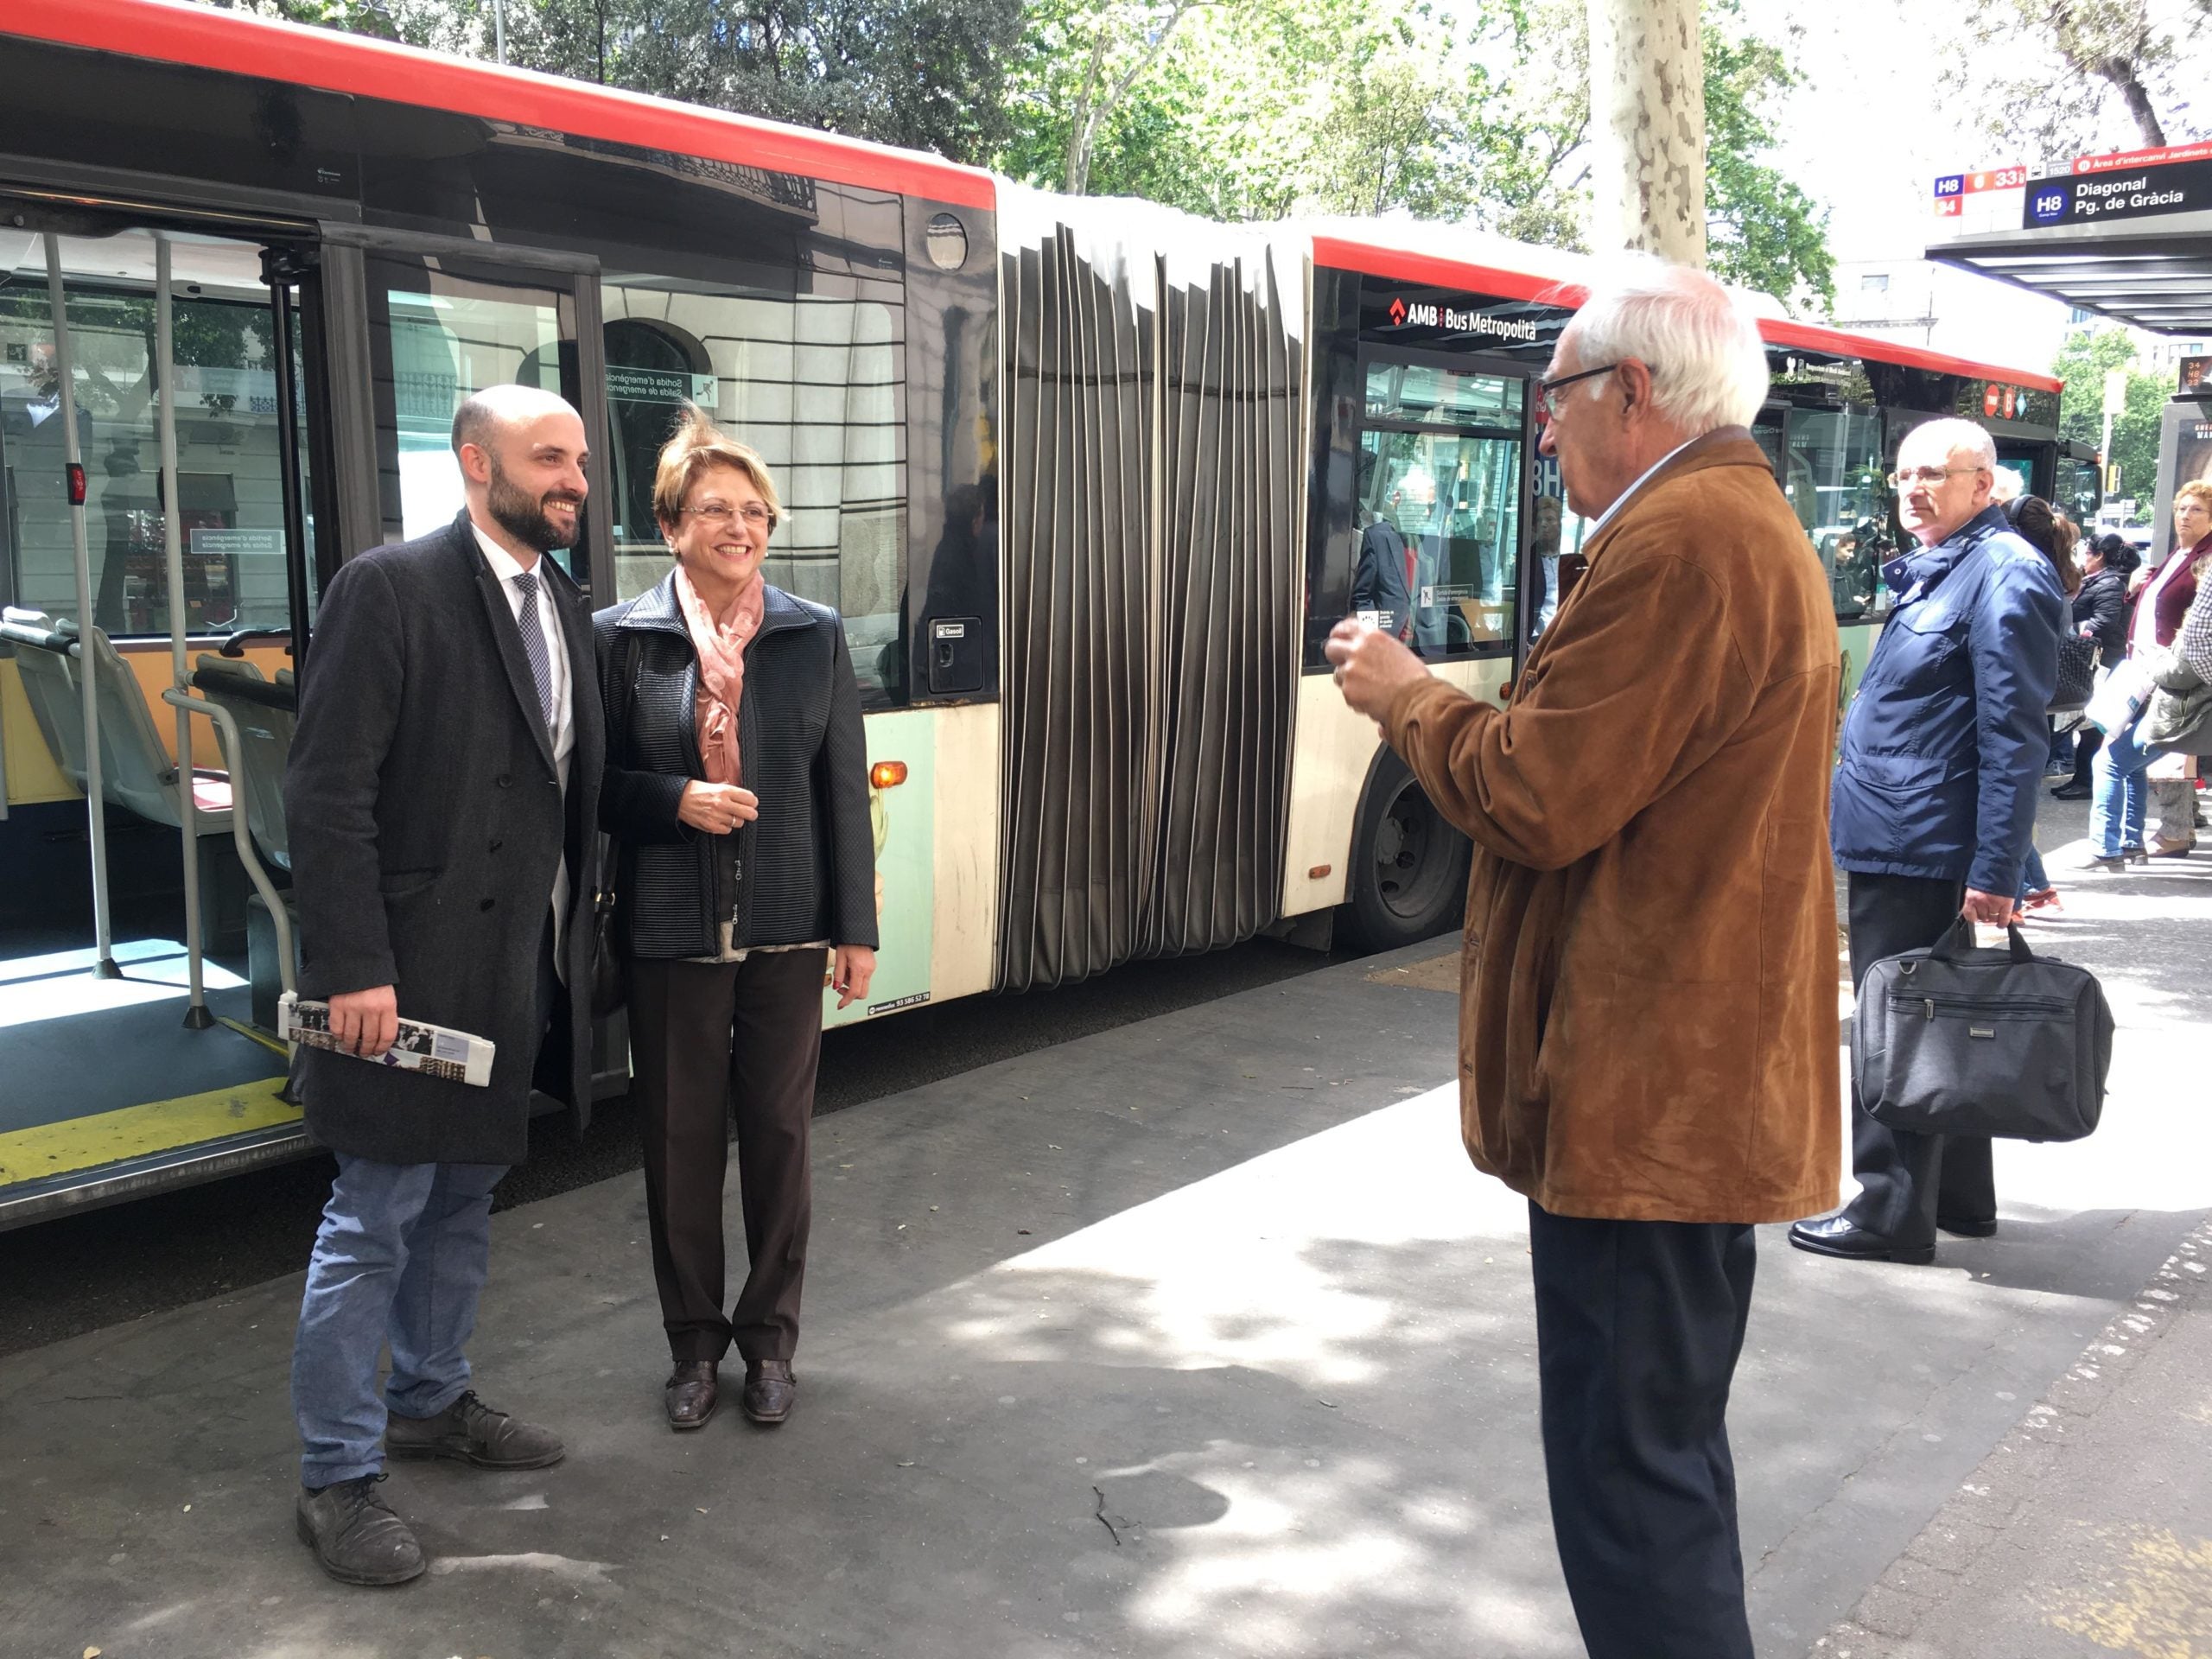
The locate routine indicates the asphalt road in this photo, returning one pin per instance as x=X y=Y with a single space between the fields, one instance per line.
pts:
x=81 y=1273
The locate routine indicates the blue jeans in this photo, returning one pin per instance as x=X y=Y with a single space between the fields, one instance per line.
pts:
x=2033 y=877
x=2119 y=794
x=402 y=1256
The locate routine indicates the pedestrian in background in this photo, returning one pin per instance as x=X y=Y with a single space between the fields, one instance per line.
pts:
x=1651 y=864
x=2099 y=614
x=737 y=789
x=2052 y=534
x=440 y=796
x=2122 y=786
x=1933 y=809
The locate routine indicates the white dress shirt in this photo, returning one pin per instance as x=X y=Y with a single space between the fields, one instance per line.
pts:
x=507 y=567
x=1625 y=496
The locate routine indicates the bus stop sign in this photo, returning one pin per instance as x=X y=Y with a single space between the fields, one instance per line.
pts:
x=2150 y=191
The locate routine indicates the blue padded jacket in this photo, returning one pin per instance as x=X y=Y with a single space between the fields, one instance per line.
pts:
x=1943 y=749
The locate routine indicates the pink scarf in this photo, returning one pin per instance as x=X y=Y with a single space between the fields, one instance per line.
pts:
x=721 y=644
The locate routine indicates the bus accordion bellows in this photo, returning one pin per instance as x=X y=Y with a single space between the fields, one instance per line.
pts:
x=1089 y=481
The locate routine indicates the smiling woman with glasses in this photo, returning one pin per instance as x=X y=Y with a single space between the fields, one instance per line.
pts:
x=737 y=788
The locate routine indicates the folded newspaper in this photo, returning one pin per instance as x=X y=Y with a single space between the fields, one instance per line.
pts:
x=453 y=1055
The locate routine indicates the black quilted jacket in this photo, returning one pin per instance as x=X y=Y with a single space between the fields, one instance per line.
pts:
x=805 y=868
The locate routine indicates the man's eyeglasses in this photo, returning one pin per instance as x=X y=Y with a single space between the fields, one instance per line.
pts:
x=1929 y=477
x=1548 y=392
x=716 y=516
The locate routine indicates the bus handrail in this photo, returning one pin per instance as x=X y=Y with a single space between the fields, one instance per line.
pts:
x=52 y=639
x=234 y=642
x=284 y=698
x=227 y=732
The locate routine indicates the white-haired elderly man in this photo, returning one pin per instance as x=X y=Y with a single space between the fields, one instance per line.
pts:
x=1648 y=1034
x=1935 y=798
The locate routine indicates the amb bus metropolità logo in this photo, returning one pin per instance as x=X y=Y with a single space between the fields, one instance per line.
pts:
x=1421 y=314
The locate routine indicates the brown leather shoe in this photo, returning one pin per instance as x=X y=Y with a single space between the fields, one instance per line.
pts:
x=770 y=1390
x=2161 y=848
x=691 y=1394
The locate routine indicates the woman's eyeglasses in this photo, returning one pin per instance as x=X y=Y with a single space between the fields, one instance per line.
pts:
x=718 y=516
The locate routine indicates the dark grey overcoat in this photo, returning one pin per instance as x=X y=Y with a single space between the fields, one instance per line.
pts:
x=427 y=823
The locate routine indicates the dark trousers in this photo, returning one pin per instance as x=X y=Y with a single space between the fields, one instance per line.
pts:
x=703 y=1037
x=1638 y=1326
x=2086 y=740
x=1907 y=1179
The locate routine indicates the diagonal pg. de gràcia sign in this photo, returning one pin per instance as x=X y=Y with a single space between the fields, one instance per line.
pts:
x=2096 y=198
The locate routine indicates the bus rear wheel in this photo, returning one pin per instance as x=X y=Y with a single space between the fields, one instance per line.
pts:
x=1408 y=875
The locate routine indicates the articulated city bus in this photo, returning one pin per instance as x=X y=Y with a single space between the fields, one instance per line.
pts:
x=1089 y=483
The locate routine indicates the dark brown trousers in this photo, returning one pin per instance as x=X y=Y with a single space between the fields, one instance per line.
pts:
x=705 y=1037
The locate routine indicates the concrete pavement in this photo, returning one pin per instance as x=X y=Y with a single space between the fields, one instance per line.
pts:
x=1196 y=1338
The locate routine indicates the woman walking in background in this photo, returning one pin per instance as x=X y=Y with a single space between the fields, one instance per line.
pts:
x=2099 y=614
x=2162 y=599
x=737 y=786
x=2053 y=535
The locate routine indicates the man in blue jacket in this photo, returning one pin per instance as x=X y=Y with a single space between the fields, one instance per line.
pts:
x=1933 y=804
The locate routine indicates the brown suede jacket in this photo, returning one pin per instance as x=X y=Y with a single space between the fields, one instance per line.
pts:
x=1648 y=1025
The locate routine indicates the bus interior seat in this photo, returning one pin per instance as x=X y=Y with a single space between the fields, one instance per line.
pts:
x=266 y=719
x=209 y=662
x=136 y=771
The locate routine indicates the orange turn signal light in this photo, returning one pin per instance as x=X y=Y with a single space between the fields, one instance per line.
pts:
x=887 y=774
x=1317 y=871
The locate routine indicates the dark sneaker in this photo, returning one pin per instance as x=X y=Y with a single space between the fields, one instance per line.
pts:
x=469 y=1431
x=355 y=1536
x=770 y=1390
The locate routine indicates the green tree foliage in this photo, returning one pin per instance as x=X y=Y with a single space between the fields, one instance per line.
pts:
x=2082 y=362
x=2055 y=78
x=1475 y=112
x=354 y=17
x=924 y=73
x=1762 y=231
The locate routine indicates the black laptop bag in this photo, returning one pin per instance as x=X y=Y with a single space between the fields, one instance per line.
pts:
x=1957 y=1039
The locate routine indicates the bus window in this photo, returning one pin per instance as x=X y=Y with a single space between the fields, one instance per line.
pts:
x=1556 y=533
x=1441 y=464
x=817 y=386
x=435 y=338
x=1832 y=473
x=2077 y=493
x=227 y=434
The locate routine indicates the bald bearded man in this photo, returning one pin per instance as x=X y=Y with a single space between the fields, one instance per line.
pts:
x=443 y=784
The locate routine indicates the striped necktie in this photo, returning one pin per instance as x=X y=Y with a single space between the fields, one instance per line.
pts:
x=533 y=645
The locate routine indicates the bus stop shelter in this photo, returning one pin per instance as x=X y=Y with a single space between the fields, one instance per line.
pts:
x=2127 y=236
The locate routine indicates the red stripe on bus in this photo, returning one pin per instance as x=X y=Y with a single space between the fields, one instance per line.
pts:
x=172 y=32
x=1439 y=271
x=1813 y=337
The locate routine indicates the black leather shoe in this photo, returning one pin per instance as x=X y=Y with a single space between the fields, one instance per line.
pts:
x=2070 y=792
x=770 y=1390
x=1834 y=1236
x=691 y=1394
x=469 y=1431
x=1968 y=1226
x=355 y=1536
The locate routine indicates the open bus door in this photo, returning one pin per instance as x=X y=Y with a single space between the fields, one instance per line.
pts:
x=157 y=452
